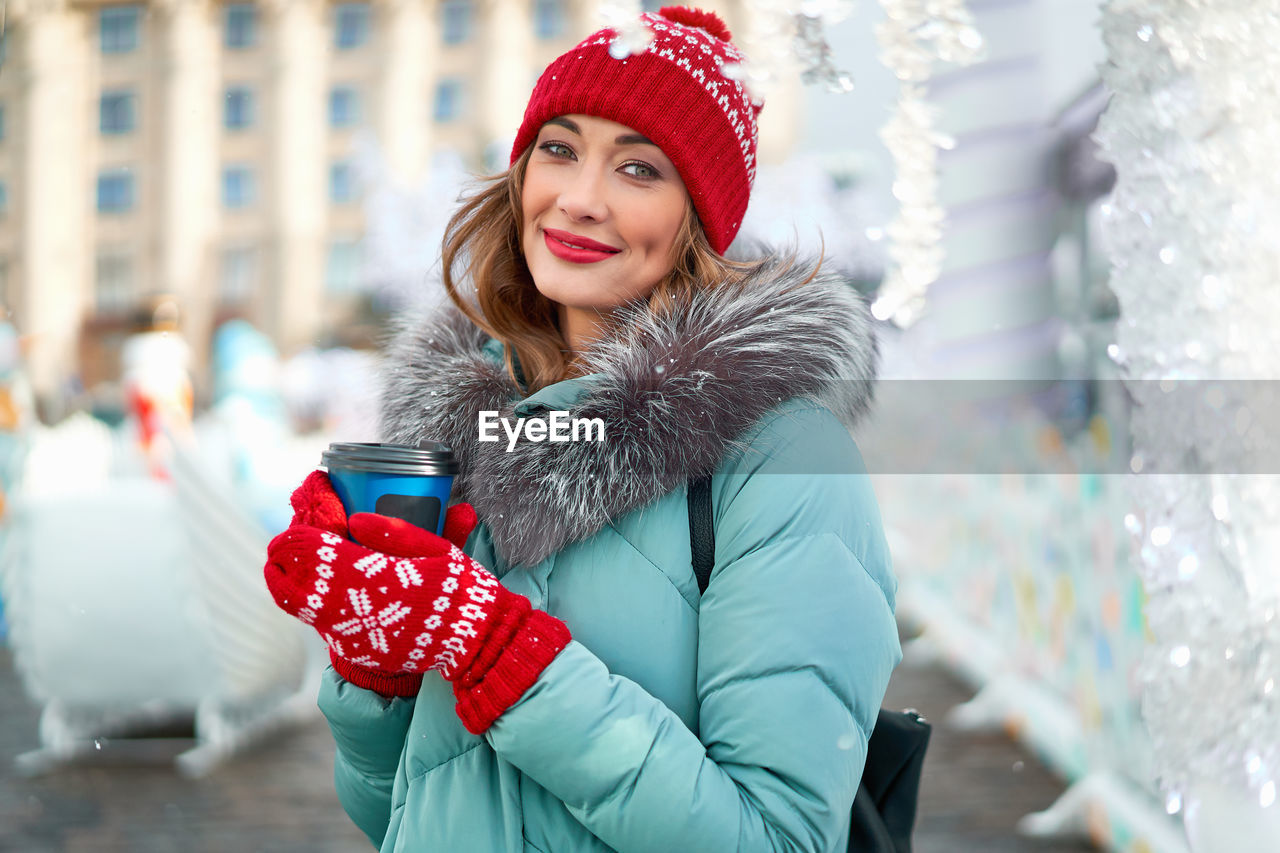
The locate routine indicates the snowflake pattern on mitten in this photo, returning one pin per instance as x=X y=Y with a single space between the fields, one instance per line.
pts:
x=385 y=613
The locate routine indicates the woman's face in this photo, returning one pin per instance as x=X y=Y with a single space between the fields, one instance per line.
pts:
x=602 y=207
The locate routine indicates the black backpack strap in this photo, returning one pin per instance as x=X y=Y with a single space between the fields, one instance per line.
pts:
x=702 y=531
x=884 y=810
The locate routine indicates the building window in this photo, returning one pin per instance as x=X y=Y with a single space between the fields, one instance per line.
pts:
x=113 y=283
x=238 y=275
x=342 y=184
x=549 y=18
x=351 y=25
x=117 y=113
x=237 y=108
x=238 y=25
x=455 y=21
x=118 y=29
x=115 y=190
x=342 y=267
x=238 y=188
x=344 y=106
x=448 y=104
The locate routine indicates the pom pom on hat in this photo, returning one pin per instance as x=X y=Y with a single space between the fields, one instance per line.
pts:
x=709 y=21
x=675 y=92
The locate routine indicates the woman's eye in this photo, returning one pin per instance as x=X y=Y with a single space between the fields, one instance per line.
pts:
x=640 y=170
x=557 y=149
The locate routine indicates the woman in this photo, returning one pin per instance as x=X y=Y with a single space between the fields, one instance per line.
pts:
x=591 y=700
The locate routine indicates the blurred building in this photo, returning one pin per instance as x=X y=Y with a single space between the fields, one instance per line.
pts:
x=203 y=149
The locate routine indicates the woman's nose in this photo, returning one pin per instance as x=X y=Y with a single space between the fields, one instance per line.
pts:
x=582 y=197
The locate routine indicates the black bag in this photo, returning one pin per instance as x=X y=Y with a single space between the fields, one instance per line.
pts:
x=884 y=810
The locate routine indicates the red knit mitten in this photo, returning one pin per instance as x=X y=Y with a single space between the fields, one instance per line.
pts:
x=316 y=504
x=388 y=618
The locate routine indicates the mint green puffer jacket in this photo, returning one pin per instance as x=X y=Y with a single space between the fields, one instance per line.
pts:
x=734 y=721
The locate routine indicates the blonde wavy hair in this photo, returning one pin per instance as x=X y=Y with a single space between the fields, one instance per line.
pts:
x=482 y=246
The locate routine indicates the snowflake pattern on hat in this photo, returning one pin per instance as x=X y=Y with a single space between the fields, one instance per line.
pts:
x=683 y=42
x=678 y=84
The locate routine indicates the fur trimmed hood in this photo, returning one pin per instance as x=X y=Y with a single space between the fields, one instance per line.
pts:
x=674 y=394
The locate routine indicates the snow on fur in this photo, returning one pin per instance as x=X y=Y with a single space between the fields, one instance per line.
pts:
x=726 y=360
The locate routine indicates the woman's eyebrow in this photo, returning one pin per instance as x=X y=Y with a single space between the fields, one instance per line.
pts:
x=624 y=139
x=565 y=123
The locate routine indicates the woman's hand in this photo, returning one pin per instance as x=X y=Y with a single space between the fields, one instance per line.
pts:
x=414 y=603
x=316 y=504
x=380 y=610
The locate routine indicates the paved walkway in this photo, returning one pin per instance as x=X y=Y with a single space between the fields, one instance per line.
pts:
x=280 y=799
x=975 y=786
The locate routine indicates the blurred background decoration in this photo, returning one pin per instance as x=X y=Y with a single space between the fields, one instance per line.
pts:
x=1191 y=228
x=252 y=161
x=211 y=211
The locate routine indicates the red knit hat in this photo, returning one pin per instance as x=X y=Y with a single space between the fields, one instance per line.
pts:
x=676 y=93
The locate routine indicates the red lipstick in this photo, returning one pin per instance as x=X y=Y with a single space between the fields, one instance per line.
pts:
x=576 y=249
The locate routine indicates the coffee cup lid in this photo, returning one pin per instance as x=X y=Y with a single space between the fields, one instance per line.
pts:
x=426 y=459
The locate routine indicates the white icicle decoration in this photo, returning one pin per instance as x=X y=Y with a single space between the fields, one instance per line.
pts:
x=913 y=37
x=789 y=37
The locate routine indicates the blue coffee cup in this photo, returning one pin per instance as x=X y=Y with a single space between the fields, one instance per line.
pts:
x=408 y=482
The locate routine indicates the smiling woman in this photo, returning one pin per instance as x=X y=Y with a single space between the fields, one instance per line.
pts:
x=585 y=696
x=602 y=207
x=586 y=177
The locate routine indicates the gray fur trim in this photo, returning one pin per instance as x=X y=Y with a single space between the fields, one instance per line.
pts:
x=725 y=362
